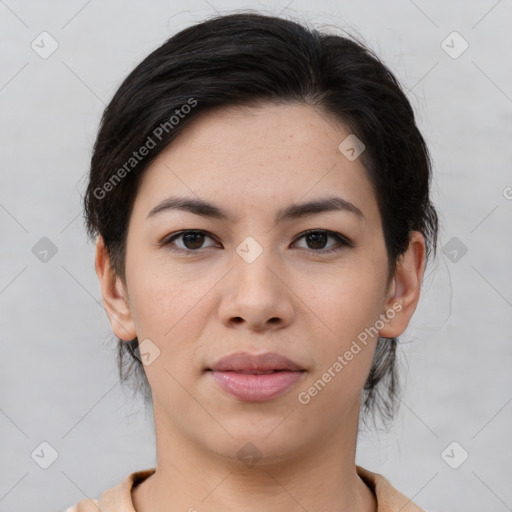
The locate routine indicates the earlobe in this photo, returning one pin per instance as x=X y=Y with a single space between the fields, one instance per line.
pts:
x=115 y=298
x=405 y=288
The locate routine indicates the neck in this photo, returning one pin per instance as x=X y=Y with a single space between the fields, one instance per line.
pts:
x=321 y=476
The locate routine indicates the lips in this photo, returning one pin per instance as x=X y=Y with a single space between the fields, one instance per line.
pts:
x=255 y=378
x=243 y=362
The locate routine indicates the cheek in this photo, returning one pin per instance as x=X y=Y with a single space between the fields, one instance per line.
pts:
x=171 y=313
x=171 y=308
x=157 y=290
x=165 y=297
x=344 y=302
x=344 y=357
x=343 y=307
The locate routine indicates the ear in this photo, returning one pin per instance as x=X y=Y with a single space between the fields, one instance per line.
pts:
x=115 y=296
x=404 y=290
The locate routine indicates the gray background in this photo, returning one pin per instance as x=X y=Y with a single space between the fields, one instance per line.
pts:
x=58 y=375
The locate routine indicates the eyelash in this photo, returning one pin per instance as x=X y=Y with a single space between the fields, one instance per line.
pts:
x=342 y=241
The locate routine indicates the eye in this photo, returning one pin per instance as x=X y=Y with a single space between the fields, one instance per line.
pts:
x=192 y=240
x=317 y=238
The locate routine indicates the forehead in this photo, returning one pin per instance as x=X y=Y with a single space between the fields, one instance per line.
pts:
x=258 y=156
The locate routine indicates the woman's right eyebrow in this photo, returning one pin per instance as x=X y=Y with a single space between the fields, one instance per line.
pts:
x=193 y=205
x=295 y=211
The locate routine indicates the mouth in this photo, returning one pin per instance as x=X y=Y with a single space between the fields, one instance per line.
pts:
x=255 y=378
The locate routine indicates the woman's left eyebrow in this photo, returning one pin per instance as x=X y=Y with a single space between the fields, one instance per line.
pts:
x=294 y=211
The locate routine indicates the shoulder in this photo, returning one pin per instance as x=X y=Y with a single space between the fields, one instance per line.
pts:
x=115 y=499
x=88 y=505
x=388 y=498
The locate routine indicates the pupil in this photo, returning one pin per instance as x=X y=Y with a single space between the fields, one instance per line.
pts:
x=317 y=237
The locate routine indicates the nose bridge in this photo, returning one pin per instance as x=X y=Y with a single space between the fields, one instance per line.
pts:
x=253 y=264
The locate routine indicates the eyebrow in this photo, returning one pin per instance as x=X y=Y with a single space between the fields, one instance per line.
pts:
x=294 y=211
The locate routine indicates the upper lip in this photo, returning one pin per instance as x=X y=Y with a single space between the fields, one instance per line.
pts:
x=246 y=362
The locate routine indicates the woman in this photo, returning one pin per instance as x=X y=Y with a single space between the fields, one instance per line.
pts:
x=259 y=194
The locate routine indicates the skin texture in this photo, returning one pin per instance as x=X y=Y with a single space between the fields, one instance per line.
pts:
x=309 y=307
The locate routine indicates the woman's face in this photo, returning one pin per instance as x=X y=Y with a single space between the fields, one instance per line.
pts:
x=256 y=282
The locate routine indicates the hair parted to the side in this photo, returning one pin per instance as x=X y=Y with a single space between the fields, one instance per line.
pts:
x=245 y=59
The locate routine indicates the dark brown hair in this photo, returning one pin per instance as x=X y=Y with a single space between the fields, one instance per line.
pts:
x=243 y=59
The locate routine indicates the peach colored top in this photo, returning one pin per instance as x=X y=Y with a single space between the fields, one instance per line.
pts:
x=119 y=499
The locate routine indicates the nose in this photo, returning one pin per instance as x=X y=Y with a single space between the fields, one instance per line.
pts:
x=256 y=296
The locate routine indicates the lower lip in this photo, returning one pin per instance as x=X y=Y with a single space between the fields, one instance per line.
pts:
x=256 y=388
